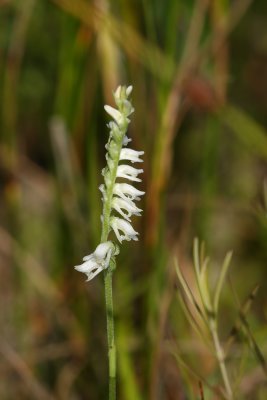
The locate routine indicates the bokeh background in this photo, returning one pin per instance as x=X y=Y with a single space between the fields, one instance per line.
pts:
x=199 y=72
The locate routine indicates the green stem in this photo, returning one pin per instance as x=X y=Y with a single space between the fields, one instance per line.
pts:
x=110 y=334
x=108 y=275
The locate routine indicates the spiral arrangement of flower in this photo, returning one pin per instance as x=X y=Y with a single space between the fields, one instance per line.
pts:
x=118 y=197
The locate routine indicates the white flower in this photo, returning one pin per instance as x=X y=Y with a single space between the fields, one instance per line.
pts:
x=126 y=191
x=126 y=140
x=128 y=205
x=115 y=114
x=128 y=172
x=125 y=227
x=131 y=155
x=97 y=261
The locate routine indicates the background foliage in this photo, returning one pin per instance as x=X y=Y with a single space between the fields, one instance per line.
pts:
x=199 y=74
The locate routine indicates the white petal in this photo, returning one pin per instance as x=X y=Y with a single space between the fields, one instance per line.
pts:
x=117 y=93
x=125 y=227
x=120 y=204
x=90 y=268
x=90 y=257
x=128 y=172
x=93 y=273
x=129 y=90
x=126 y=140
x=87 y=266
x=102 y=250
x=102 y=188
x=115 y=114
x=126 y=191
x=131 y=155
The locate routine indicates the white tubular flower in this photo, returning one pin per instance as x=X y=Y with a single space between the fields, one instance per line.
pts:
x=97 y=261
x=125 y=227
x=131 y=155
x=126 y=191
x=128 y=172
x=115 y=114
x=128 y=205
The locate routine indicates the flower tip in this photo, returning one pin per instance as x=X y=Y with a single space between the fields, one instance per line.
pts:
x=117 y=92
x=82 y=268
x=129 y=90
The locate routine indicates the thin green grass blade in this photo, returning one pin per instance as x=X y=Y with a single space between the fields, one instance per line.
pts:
x=187 y=290
x=221 y=280
x=195 y=374
x=202 y=253
x=243 y=310
x=196 y=256
x=253 y=345
x=204 y=287
x=201 y=277
x=193 y=322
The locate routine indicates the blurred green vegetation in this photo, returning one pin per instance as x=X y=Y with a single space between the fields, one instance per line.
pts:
x=198 y=69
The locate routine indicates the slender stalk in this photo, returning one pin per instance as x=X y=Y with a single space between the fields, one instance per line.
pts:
x=110 y=334
x=220 y=357
x=108 y=279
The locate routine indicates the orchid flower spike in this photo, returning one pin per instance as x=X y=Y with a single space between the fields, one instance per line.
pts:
x=118 y=197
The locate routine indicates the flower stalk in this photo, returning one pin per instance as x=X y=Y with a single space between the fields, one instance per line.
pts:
x=118 y=207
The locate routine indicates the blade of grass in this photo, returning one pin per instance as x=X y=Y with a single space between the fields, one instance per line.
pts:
x=191 y=320
x=253 y=344
x=188 y=291
x=221 y=280
x=202 y=279
x=195 y=374
x=242 y=312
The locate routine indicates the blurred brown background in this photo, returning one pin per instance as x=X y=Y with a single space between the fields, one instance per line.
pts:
x=199 y=72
